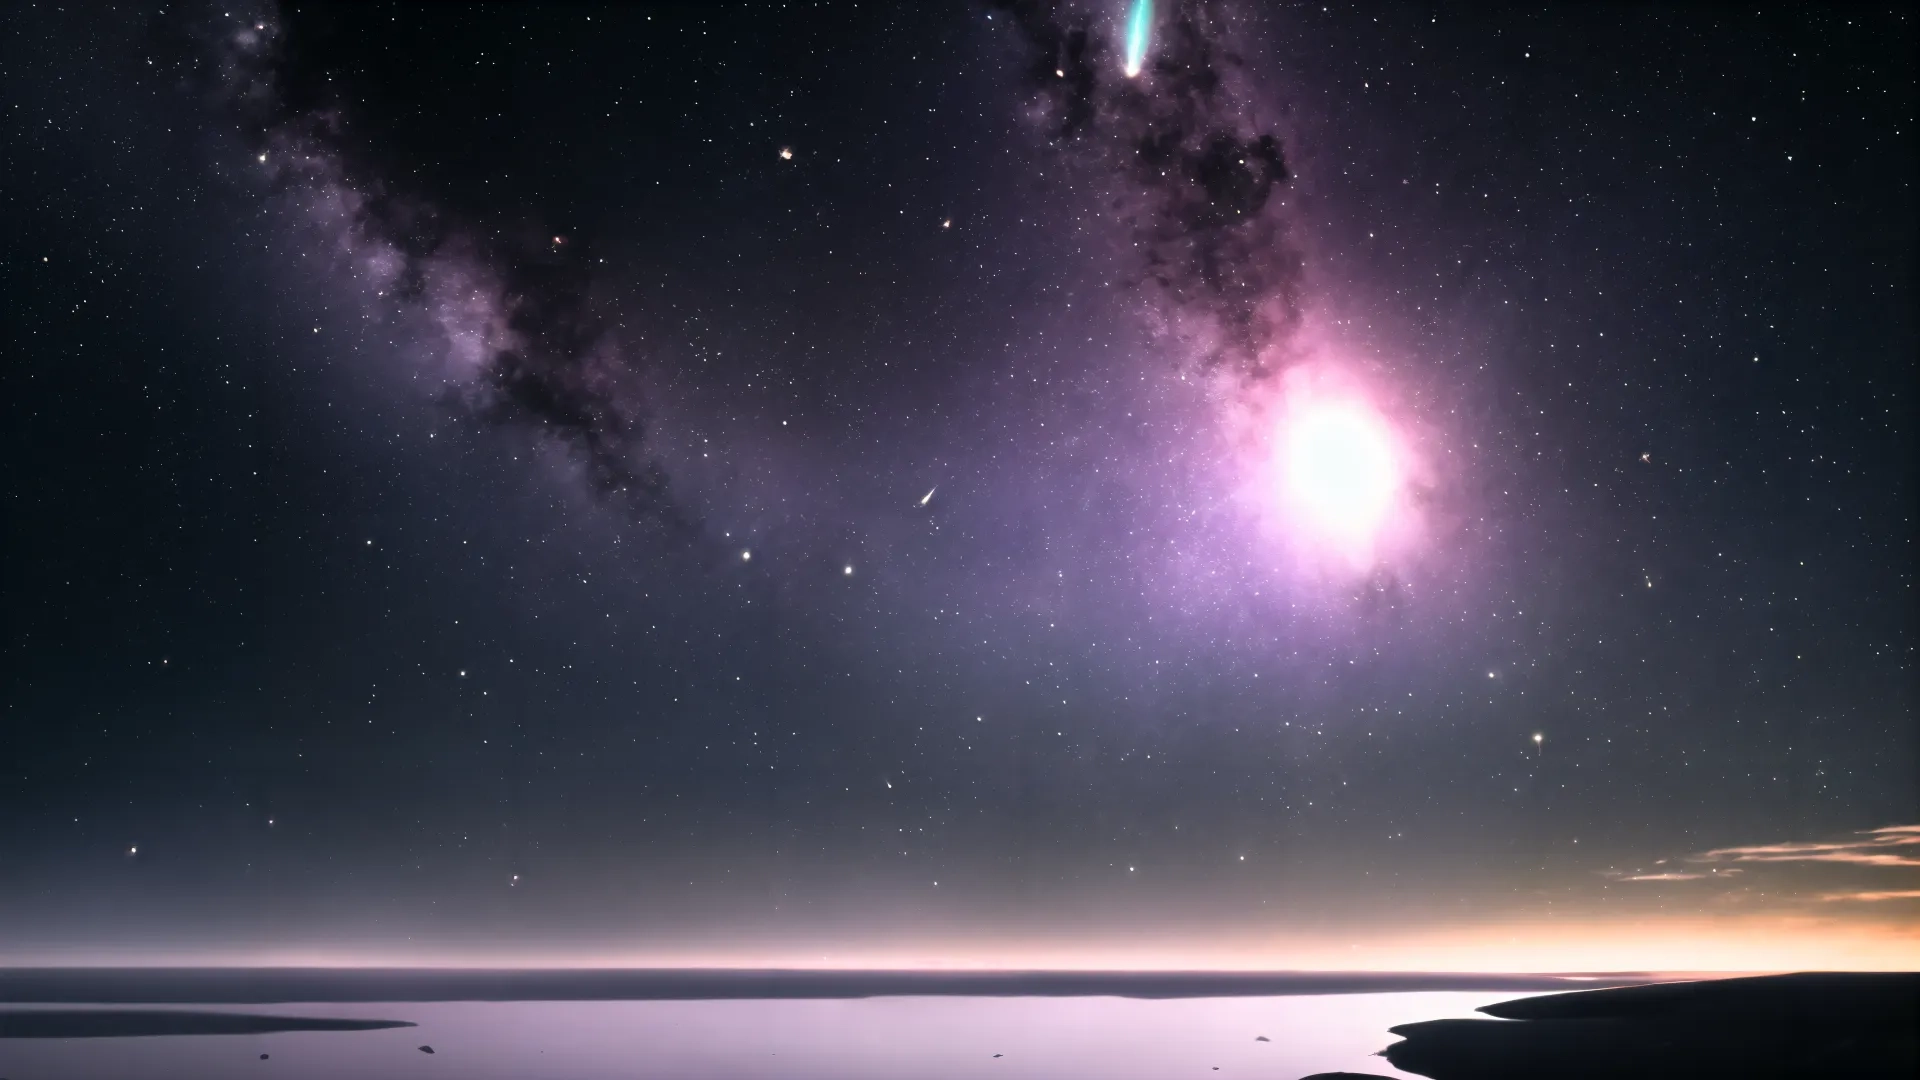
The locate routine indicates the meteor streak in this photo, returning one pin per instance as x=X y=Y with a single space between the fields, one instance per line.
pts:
x=1139 y=35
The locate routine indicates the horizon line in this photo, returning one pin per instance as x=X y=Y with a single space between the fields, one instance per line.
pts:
x=264 y=985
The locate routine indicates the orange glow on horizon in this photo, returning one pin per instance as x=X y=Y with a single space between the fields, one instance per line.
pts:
x=1756 y=943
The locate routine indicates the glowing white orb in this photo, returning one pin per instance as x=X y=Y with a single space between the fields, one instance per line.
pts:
x=1340 y=469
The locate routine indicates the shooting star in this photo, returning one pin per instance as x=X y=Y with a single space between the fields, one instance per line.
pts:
x=928 y=497
x=1139 y=35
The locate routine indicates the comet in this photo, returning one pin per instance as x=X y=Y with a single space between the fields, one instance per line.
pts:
x=928 y=497
x=1139 y=35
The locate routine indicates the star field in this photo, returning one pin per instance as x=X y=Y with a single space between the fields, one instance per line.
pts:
x=713 y=484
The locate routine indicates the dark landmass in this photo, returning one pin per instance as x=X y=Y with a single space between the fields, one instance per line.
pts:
x=257 y=986
x=117 y=1023
x=1826 y=1025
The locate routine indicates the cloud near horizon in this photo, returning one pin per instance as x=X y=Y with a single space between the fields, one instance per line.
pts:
x=1872 y=896
x=1672 y=875
x=1874 y=847
x=1891 y=846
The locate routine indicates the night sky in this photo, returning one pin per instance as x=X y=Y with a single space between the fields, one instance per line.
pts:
x=850 y=484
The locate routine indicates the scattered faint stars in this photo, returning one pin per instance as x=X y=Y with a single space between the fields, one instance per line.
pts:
x=394 y=325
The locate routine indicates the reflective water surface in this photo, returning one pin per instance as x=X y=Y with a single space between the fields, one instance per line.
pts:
x=933 y=1038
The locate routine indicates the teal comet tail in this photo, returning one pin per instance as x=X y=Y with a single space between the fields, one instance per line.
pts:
x=1139 y=35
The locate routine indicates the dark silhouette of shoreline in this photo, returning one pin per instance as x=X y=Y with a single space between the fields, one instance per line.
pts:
x=1817 y=1024
x=260 y=986
x=117 y=1023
